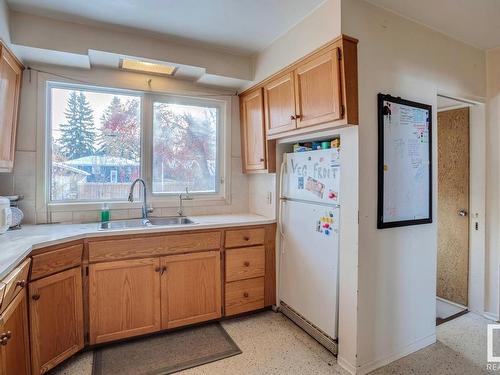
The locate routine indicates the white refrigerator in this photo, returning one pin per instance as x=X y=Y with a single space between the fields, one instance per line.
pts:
x=309 y=226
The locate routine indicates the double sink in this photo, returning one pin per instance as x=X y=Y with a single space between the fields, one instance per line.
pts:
x=143 y=223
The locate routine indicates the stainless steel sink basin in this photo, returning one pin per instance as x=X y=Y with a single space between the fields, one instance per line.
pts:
x=142 y=223
x=172 y=220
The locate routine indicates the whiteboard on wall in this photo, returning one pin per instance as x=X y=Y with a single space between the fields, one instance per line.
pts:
x=404 y=162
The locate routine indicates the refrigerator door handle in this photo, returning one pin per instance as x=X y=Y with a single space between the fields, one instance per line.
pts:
x=282 y=195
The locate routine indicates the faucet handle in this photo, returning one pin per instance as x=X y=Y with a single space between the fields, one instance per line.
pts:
x=149 y=209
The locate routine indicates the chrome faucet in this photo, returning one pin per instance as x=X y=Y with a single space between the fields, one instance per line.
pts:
x=145 y=209
x=183 y=197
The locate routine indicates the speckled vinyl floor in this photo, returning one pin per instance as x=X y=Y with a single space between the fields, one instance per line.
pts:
x=271 y=344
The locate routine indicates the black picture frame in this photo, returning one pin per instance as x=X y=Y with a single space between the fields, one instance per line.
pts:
x=380 y=202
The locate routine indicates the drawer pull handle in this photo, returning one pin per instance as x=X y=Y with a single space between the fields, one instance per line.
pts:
x=245 y=294
x=35 y=297
x=21 y=283
x=4 y=341
x=7 y=335
x=246 y=264
x=246 y=238
x=157 y=269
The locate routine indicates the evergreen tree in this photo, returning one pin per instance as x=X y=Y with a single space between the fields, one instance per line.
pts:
x=120 y=132
x=78 y=134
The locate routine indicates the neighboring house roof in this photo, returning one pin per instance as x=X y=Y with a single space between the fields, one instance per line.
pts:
x=108 y=161
x=69 y=168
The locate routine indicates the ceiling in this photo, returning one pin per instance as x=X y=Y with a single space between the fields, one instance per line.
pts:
x=475 y=22
x=240 y=27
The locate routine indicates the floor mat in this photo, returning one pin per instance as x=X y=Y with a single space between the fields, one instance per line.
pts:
x=166 y=353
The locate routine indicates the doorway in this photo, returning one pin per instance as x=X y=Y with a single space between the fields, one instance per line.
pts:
x=452 y=287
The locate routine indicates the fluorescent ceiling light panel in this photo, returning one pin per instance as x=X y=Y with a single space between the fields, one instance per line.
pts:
x=147 y=67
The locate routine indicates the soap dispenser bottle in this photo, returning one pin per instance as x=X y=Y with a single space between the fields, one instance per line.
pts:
x=104 y=212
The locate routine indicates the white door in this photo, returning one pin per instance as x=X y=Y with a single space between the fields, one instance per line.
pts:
x=309 y=263
x=313 y=176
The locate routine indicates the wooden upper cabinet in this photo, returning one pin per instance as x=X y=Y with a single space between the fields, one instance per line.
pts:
x=191 y=288
x=14 y=353
x=56 y=317
x=124 y=299
x=10 y=88
x=317 y=89
x=253 y=137
x=279 y=101
x=317 y=92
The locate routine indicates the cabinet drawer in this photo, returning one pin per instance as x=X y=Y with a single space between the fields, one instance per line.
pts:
x=244 y=295
x=56 y=261
x=245 y=263
x=140 y=247
x=245 y=237
x=15 y=282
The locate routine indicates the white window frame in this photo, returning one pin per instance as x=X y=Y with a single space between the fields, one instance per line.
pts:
x=48 y=134
x=220 y=170
x=159 y=200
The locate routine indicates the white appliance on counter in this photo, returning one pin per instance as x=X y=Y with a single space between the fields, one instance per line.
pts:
x=309 y=228
x=5 y=215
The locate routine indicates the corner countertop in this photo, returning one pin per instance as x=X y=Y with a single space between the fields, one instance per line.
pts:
x=17 y=244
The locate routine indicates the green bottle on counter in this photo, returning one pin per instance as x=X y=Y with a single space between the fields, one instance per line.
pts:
x=104 y=213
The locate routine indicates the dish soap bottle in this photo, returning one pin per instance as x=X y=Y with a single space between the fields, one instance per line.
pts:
x=104 y=212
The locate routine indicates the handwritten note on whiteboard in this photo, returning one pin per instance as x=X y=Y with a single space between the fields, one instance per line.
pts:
x=405 y=188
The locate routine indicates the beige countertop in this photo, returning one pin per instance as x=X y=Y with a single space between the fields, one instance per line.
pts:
x=17 y=244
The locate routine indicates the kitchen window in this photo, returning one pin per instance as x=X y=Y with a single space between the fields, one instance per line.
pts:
x=95 y=143
x=185 y=146
x=99 y=140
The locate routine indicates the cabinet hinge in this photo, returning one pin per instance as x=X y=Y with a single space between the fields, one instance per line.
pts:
x=342 y=110
x=339 y=53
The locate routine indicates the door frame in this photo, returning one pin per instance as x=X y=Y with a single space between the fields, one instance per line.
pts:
x=477 y=199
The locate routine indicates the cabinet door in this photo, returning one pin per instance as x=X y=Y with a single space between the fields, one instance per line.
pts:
x=252 y=128
x=317 y=90
x=56 y=316
x=279 y=102
x=14 y=351
x=191 y=288
x=10 y=85
x=124 y=299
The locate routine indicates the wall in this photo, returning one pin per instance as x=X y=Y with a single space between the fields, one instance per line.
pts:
x=493 y=183
x=29 y=161
x=4 y=22
x=397 y=267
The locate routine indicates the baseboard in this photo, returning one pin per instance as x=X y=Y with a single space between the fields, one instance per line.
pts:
x=413 y=347
x=491 y=316
x=351 y=369
x=452 y=303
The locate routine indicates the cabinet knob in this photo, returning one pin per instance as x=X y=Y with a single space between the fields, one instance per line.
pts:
x=21 y=283
x=261 y=159
x=4 y=341
x=6 y=335
x=292 y=117
x=245 y=294
x=164 y=269
x=157 y=269
x=298 y=117
x=246 y=263
x=35 y=297
x=246 y=238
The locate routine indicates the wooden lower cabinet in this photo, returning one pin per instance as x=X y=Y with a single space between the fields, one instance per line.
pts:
x=56 y=317
x=124 y=299
x=190 y=288
x=14 y=353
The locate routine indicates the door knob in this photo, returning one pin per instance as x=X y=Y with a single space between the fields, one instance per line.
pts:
x=462 y=213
